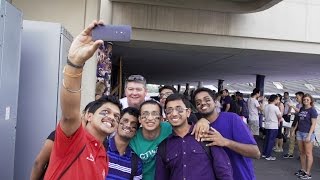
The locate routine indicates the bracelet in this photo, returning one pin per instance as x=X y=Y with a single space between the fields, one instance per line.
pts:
x=70 y=90
x=71 y=75
x=74 y=65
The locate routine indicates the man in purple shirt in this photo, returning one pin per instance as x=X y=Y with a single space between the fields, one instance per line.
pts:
x=231 y=133
x=181 y=156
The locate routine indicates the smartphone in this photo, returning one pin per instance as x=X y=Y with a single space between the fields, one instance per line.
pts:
x=115 y=33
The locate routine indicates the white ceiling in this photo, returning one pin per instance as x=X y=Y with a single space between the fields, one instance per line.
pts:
x=164 y=63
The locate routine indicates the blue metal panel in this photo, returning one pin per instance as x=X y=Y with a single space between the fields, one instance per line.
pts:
x=11 y=27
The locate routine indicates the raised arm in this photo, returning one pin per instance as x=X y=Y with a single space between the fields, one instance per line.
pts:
x=82 y=48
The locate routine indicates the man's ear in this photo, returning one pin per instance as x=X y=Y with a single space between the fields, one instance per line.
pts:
x=89 y=117
x=188 y=112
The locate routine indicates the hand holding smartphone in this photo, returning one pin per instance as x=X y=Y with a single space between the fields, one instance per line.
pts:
x=115 y=33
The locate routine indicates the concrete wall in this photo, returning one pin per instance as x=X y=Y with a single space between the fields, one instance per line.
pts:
x=74 y=15
x=293 y=20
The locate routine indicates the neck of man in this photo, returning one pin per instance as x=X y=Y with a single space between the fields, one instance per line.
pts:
x=182 y=130
x=151 y=135
x=99 y=136
x=134 y=105
x=121 y=144
x=212 y=117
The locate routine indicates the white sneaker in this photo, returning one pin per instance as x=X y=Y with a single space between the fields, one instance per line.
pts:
x=263 y=156
x=271 y=158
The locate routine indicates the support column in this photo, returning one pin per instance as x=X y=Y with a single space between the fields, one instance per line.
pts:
x=179 y=88
x=220 y=85
x=200 y=84
x=260 y=83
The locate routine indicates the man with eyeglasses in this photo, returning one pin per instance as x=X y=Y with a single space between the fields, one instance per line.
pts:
x=153 y=131
x=135 y=91
x=179 y=156
x=123 y=162
x=166 y=91
x=78 y=151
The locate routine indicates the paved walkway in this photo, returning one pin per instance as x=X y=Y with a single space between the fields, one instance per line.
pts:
x=284 y=169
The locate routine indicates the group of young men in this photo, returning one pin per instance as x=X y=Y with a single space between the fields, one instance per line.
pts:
x=167 y=144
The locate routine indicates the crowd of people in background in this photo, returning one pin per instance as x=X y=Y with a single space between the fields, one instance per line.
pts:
x=203 y=135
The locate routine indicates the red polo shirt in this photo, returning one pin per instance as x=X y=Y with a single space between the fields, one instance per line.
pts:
x=91 y=164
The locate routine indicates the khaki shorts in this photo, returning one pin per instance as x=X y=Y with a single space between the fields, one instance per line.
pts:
x=254 y=126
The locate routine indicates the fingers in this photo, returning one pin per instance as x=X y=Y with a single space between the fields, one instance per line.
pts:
x=193 y=130
x=211 y=144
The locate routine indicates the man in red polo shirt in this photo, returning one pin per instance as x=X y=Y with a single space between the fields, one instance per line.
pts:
x=78 y=152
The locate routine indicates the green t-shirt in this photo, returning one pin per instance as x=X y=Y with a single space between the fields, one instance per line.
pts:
x=147 y=149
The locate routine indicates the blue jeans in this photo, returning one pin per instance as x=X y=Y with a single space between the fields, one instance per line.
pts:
x=269 y=141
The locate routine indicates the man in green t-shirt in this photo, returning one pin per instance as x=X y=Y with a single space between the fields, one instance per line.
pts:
x=153 y=132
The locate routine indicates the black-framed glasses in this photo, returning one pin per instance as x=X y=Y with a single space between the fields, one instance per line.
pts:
x=105 y=113
x=154 y=115
x=179 y=109
x=136 y=78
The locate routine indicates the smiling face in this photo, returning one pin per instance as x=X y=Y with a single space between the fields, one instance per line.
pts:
x=177 y=113
x=105 y=119
x=204 y=103
x=128 y=126
x=136 y=93
x=150 y=117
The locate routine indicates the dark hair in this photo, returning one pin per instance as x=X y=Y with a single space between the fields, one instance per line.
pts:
x=103 y=100
x=280 y=97
x=202 y=89
x=285 y=93
x=176 y=96
x=88 y=106
x=300 y=93
x=255 y=91
x=226 y=90
x=168 y=87
x=240 y=95
x=150 y=102
x=131 y=111
x=237 y=93
x=272 y=98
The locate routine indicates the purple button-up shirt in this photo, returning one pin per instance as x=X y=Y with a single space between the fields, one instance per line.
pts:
x=186 y=159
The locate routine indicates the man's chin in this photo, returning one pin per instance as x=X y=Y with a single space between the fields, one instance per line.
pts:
x=206 y=114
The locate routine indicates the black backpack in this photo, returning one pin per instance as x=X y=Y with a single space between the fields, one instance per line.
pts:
x=134 y=160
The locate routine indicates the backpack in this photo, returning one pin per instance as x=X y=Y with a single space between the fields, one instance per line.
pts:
x=134 y=160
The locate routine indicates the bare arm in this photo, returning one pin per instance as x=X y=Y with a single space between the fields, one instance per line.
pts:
x=313 y=126
x=82 y=48
x=41 y=160
x=227 y=107
x=247 y=150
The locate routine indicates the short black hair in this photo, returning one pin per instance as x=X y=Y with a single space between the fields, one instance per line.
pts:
x=167 y=87
x=286 y=93
x=300 y=93
x=255 y=91
x=177 y=96
x=88 y=106
x=272 y=98
x=279 y=95
x=202 y=89
x=151 y=101
x=104 y=99
x=133 y=112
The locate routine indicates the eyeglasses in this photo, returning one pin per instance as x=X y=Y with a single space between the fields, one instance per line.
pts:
x=165 y=95
x=105 y=113
x=136 y=78
x=178 y=109
x=154 y=114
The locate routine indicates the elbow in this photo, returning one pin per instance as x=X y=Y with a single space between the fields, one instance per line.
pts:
x=257 y=153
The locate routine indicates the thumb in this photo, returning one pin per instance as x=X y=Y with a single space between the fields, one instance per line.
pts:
x=96 y=45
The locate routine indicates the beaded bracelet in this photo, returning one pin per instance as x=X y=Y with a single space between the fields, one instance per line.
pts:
x=74 y=65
